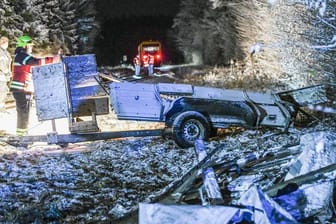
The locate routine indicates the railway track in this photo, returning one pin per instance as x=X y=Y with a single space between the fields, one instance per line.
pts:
x=120 y=74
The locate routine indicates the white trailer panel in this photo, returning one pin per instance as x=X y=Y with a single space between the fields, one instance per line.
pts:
x=50 y=91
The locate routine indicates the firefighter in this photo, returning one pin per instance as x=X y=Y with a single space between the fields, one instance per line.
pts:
x=150 y=65
x=145 y=62
x=5 y=71
x=21 y=84
x=137 y=66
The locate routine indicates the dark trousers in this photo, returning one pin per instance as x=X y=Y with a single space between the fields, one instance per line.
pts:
x=22 y=100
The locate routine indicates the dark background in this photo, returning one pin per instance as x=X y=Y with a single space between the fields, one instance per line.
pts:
x=125 y=23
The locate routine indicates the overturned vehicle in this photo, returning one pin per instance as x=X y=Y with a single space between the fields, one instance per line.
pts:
x=74 y=89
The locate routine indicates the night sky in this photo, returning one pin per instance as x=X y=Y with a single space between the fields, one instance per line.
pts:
x=119 y=8
x=125 y=23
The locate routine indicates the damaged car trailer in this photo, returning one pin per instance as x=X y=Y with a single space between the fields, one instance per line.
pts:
x=73 y=89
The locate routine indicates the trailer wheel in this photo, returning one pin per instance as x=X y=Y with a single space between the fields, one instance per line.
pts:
x=190 y=126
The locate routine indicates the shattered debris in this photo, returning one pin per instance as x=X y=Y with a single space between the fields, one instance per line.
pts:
x=301 y=201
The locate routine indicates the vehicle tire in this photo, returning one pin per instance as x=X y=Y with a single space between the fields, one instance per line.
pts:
x=190 y=126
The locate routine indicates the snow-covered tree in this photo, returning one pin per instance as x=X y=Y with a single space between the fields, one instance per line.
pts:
x=52 y=23
x=10 y=19
x=292 y=40
x=190 y=35
x=297 y=39
x=88 y=26
x=208 y=29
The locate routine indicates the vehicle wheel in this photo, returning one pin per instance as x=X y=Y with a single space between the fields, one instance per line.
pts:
x=188 y=127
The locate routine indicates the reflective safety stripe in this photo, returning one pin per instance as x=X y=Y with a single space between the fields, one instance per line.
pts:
x=151 y=59
x=21 y=132
x=16 y=85
x=137 y=61
x=26 y=59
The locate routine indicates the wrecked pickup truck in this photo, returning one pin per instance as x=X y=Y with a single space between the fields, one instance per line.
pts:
x=193 y=112
x=74 y=89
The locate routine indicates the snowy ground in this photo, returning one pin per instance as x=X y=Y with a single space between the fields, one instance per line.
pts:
x=86 y=182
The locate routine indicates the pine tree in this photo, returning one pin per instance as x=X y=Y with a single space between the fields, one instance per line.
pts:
x=206 y=29
x=190 y=35
x=52 y=23
x=222 y=41
x=10 y=18
x=62 y=26
x=286 y=40
x=88 y=27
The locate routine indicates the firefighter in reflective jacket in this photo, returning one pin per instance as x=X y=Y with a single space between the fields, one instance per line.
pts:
x=137 y=66
x=150 y=64
x=145 y=62
x=21 y=85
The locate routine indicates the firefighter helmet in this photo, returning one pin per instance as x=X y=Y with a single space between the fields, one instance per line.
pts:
x=23 y=41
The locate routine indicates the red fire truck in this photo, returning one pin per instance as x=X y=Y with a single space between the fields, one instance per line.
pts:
x=151 y=47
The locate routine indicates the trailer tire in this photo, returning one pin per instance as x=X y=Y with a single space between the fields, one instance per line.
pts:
x=188 y=127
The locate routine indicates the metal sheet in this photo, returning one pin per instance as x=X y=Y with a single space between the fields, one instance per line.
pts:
x=81 y=72
x=218 y=94
x=186 y=214
x=54 y=138
x=274 y=117
x=172 y=88
x=261 y=98
x=210 y=183
x=310 y=95
x=50 y=92
x=136 y=101
x=80 y=69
